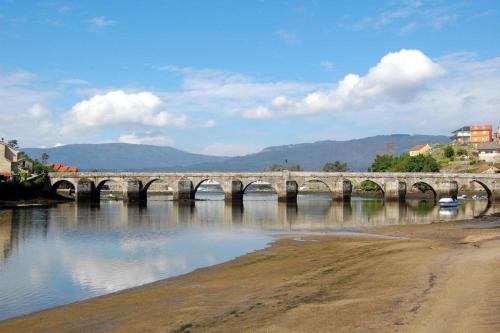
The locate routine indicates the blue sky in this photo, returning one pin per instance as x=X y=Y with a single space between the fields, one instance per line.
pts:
x=232 y=77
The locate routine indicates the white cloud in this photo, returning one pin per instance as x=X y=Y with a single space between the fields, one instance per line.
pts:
x=100 y=21
x=327 y=65
x=209 y=123
x=259 y=112
x=120 y=108
x=146 y=139
x=74 y=81
x=231 y=149
x=38 y=111
x=423 y=14
x=210 y=91
x=398 y=77
x=22 y=115
x=408 y=28
x=288 y=36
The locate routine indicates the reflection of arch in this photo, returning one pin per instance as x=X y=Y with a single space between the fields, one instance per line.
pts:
x=486 y=188
x=424 y=187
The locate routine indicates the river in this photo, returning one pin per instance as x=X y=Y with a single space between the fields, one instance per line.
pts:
x=51 y=256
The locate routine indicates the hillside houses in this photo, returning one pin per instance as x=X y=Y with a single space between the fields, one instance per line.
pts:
x=476 y=134
x=489 y=152
x=12 y=161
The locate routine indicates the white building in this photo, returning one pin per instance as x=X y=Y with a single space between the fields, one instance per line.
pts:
x=489 y=152
x=461 y=135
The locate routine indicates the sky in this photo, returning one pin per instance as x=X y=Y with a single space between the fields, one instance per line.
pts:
x=232 y=77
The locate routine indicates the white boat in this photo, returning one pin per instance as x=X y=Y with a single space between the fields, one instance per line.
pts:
x=462 y=197
x=480 y=197
x=448 y=202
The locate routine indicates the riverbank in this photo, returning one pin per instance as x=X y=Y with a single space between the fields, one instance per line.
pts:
x=441 y=277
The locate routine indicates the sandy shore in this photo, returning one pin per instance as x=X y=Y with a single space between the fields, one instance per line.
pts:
x=429 y=278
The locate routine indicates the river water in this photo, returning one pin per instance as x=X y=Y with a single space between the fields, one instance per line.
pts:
x=51 y=256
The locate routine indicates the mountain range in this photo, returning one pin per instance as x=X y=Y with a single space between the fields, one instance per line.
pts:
x=357 y=153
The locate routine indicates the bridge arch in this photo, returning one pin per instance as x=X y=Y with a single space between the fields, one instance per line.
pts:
x=160 y=188
x=61 y=185
x=485 y=187
x=147 y=185
x=260 y=188
x=216 y=193
x=368 y=185
x=324 y=187
x=424 y=187
x=104 y=184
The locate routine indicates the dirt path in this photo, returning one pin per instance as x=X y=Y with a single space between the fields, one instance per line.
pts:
x=441 y=278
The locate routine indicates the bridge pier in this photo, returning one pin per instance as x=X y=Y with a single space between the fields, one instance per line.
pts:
x=234 y=193
x=289 y=192
x=85 y=191
x=342 y=190
x=185 y=190
x=132 y=191
x=495 y=192
x=447 y=189
x=395 y=190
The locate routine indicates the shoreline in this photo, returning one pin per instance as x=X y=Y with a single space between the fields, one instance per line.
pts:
x=404 y=271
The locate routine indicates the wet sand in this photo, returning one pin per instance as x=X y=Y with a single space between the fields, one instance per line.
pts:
x=442 y=277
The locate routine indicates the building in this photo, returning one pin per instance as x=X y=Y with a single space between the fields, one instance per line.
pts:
x=461 y=135
x=489 y=152
x=481 y=134
x=420 y=150
x=8 y=160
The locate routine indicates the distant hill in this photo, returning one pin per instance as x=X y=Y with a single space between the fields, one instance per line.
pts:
x=358 y=154
x=121 y=157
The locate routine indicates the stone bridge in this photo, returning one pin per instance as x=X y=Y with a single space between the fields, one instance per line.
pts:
x=286 y=183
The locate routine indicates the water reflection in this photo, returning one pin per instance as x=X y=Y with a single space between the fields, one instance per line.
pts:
x=52 y=256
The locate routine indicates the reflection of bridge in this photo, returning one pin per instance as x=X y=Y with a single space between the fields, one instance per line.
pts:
x=393 y=185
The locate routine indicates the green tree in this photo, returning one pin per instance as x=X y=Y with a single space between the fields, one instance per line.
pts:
x=404 y=163
x=382 y=163
x=336 y=166
x=449 y=152
x=278 y=167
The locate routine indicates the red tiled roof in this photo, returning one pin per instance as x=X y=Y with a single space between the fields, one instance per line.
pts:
x=63 y=168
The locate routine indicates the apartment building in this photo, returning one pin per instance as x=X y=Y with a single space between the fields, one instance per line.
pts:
x=481 y=134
